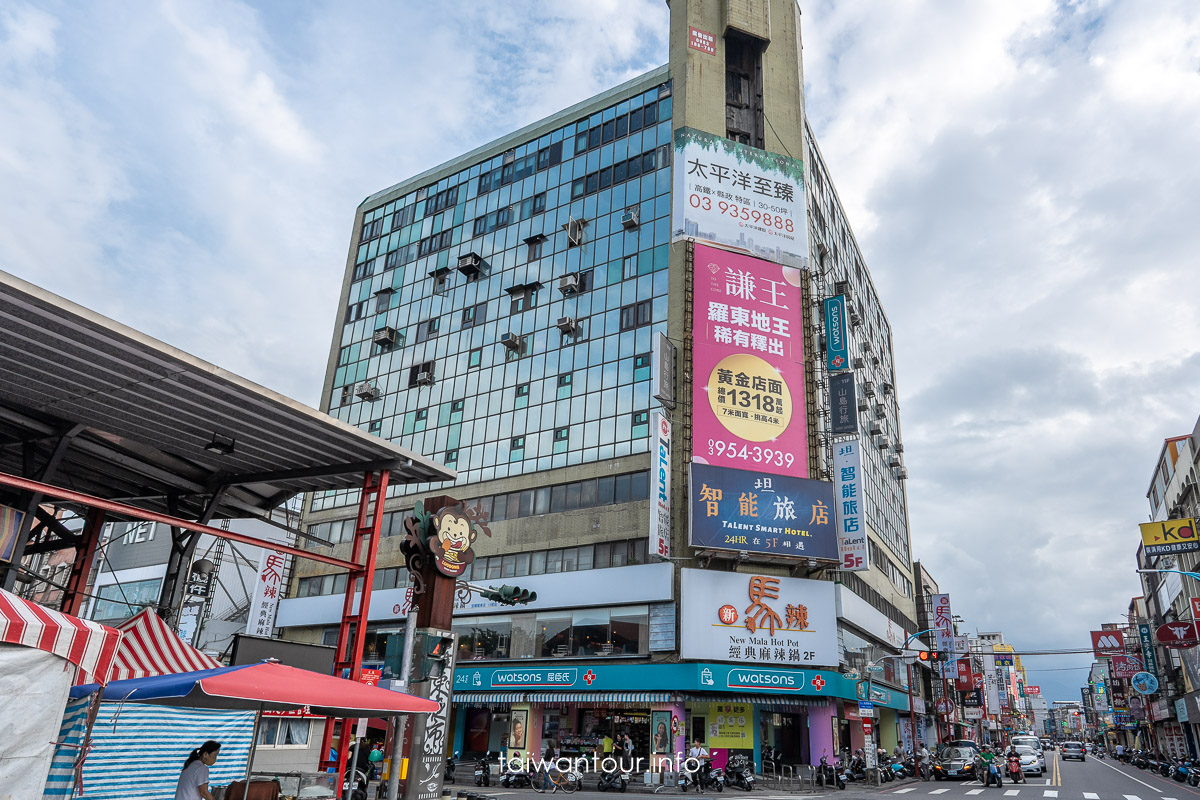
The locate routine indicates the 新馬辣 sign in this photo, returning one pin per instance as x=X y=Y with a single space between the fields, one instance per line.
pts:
x=738 y=196
x=748 y=394
x=1171 y=536
x=733 y=509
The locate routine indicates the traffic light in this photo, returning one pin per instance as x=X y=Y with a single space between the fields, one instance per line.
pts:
x=433 y=653
x=509 y=595
x=932 y=655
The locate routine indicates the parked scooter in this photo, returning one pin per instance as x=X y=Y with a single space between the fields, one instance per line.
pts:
x=516 y=776
x=739 y=772
x=448 y=775
x=710 y=778
x=1180 y=770
x=615 y=779
x=483 y=770
x=827 y=775
x=359 y=790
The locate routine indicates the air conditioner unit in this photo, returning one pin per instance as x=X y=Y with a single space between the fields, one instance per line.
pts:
x=855 y=320
x=894 y=461
x=876 y=428
x=424 y=379
x=821 y=342
x=866 y=347
x=629 y=217
x=566 y=324
x=863 y=405
x=882 y=442
x=574 y=229
x=886 y=387
x=842 y=287
x=901 y=473
x=569 y=284
x=470 y=264
x=899 y=448
x=880 y=410
x=366 y=390
x=869 y=388
x=859 y=363
x=384 y=337
x=511 y=341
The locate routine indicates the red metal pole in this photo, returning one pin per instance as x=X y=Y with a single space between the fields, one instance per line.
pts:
x=85 y=554
x=912 y=717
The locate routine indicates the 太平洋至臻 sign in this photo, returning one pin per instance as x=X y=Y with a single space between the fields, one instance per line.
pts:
x=735 y=509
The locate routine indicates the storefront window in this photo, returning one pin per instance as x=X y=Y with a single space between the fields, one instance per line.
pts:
x=631 y=630
x=584 y=633
x=484 y=638
x=589 y=633
x=524 y=636
x=554 y=636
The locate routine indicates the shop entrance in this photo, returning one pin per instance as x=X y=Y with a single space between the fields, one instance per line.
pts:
x=786 y=734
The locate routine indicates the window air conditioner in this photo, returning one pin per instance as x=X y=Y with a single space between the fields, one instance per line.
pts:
x=566 y=324
x=859 y=363
x=882 y=442
x=876 y=428
x=842 y=288
x=569 y=284
x=886 y=387
x=511 y=341
x=855 y=319
x=424 y=378
x=869 y=388
x=899 y=448
x=367 y=390
x=863 y=405
x=470 y=263
x=384 y=337
x=901 y=473
x=629 y=217
x=880 y=410
x=894 y=461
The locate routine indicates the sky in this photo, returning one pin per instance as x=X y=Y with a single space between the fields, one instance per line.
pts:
x=1021 y=175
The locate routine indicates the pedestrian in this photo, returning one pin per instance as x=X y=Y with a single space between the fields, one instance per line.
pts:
x=618 y=748
x=193 y=779
x=607 y=744
x=629 y=750
x=923 y=760
x=897 y=752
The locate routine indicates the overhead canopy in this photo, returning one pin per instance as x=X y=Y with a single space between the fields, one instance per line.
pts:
x=266 y=686
x=86 y=644
x=128 y=418
x=149 y=647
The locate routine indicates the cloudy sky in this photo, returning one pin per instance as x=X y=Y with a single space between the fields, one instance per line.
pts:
x=1022 y=177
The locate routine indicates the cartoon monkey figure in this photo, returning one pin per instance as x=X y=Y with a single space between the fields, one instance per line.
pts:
x=451 y=542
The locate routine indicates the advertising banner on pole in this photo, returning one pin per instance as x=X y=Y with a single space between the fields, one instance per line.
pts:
x=757 y=619
x=264 y=601
x=1125 y=667
x=1147 y=641
x=1171 y=536
x=843 y=403
x=660 y=489
x=848 y=494
x=943 y=619
x=748 y=360
x=837 y=353
x=733 y=509
x=738 y=196
x=1108 y=643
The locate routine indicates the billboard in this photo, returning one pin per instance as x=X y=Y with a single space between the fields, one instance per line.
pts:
x=1108 y=643
x=264 y=599
x=843 y=404
x=748 y=398
x=733 y=509
x=1125 y=667
x=660 y=489
x=757 y=619
x=848 y=492
x=1179 y=635
x=1033 y=691
x=738 y=196
x=837 y=353
x=1172 y=536
x=10 y=527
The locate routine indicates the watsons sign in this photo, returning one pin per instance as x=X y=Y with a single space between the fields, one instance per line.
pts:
x=765 y=678
x=534 y=677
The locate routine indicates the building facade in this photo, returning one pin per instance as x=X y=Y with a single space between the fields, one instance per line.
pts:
x=528 y=314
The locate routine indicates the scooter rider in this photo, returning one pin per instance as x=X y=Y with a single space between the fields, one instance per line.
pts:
x=1010 y=755
x=923 y=765
x=987 y=758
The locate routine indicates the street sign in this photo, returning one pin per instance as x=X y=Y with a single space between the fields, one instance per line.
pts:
x=1180 y=635
x=370 y=676
x=874 y=667
x=1144 y=683
x=865 y=705
x=944 y=705
x=867 y=727
x=850 y=675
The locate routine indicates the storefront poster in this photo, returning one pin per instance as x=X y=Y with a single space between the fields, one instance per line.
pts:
x=518 y=729
x=739 y=196
x=748 y=358
x=731 y=725
x=734 y=509
x=848 y=505
x=660 y=732
x=757 y=619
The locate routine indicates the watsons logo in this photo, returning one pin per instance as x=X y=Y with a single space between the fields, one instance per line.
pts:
x=526 y=677
x=784 y=680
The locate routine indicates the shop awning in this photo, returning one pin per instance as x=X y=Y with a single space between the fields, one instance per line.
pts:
x=487 y=698
x=552 y=698
x=86 y=644
x=148 y=647
x=762 y=700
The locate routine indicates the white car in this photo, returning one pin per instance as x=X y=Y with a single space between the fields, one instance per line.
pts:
x=1032 y=761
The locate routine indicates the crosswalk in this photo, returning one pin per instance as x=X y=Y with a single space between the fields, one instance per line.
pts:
x=1024 y=793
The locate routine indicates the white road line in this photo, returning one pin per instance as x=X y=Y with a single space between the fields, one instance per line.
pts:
x=975 y=791
x=1134 y=796
x=905 y=791
x=1090 y=796
x=1050 y=793
x=1012 y=792
x=939 y=791
x=1169 y=798
x=1154 y=789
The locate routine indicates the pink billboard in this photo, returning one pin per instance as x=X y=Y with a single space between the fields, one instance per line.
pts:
x=748 y=365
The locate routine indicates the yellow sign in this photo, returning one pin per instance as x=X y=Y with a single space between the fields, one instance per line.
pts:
x=731 y=725
x=750 y=398
x=1171 y=536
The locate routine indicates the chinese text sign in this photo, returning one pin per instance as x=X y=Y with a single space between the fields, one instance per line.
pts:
x=847 y=501
x=265 y=600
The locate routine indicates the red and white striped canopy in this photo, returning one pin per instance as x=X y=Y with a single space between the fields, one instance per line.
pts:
x=149 y=647
x=86 y=644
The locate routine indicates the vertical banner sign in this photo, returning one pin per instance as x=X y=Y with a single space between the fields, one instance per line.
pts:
x=1147 y=640
x=10 y=526
x=748 y=360
x=264 y=602
x=943 y=625
x=737 y=196
x=843 y=402
x=847 y=497
x=660 y=514
x=430 y=733
x=837 y=356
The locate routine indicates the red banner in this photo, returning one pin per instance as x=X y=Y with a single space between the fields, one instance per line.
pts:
x=1181 y=635
x=1032 y=690
x=1108 y=643
x=1125 y=667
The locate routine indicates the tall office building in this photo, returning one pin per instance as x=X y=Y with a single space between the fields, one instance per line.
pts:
x=611 y=323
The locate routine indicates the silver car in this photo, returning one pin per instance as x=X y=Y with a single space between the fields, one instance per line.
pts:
x=1032 y=761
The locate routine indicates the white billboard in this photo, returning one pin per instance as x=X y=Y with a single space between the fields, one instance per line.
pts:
x=757 y=619
x=660 y=489
x=739 y=197
x=848 y=504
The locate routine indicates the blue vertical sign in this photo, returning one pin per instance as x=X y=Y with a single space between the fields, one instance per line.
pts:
x=837 y=353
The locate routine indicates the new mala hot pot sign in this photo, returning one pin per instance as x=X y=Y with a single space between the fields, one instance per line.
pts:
x=748 y=358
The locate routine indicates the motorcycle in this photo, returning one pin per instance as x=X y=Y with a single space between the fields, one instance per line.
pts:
x=1015 y=773
x=448 y=774
x=827 y=775
x=615 y=779
x=898 y=767
x=1140 y=760
x=359 y=790
x=710 y=778
x=990 y=772
x=1180 y=771
x=739 y=772
x=1100 y=754
x=1166 y=766
x=516 y=776
x=483 y=771
x=1193 y=774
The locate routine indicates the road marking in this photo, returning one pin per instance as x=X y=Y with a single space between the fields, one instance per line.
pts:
x=905 y=791
x=1011 y=792
x=975 y=791
x=1127 y=775
x=1050 y=793
x=939 y=791
x=1134 y=796
x=1090 y=796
